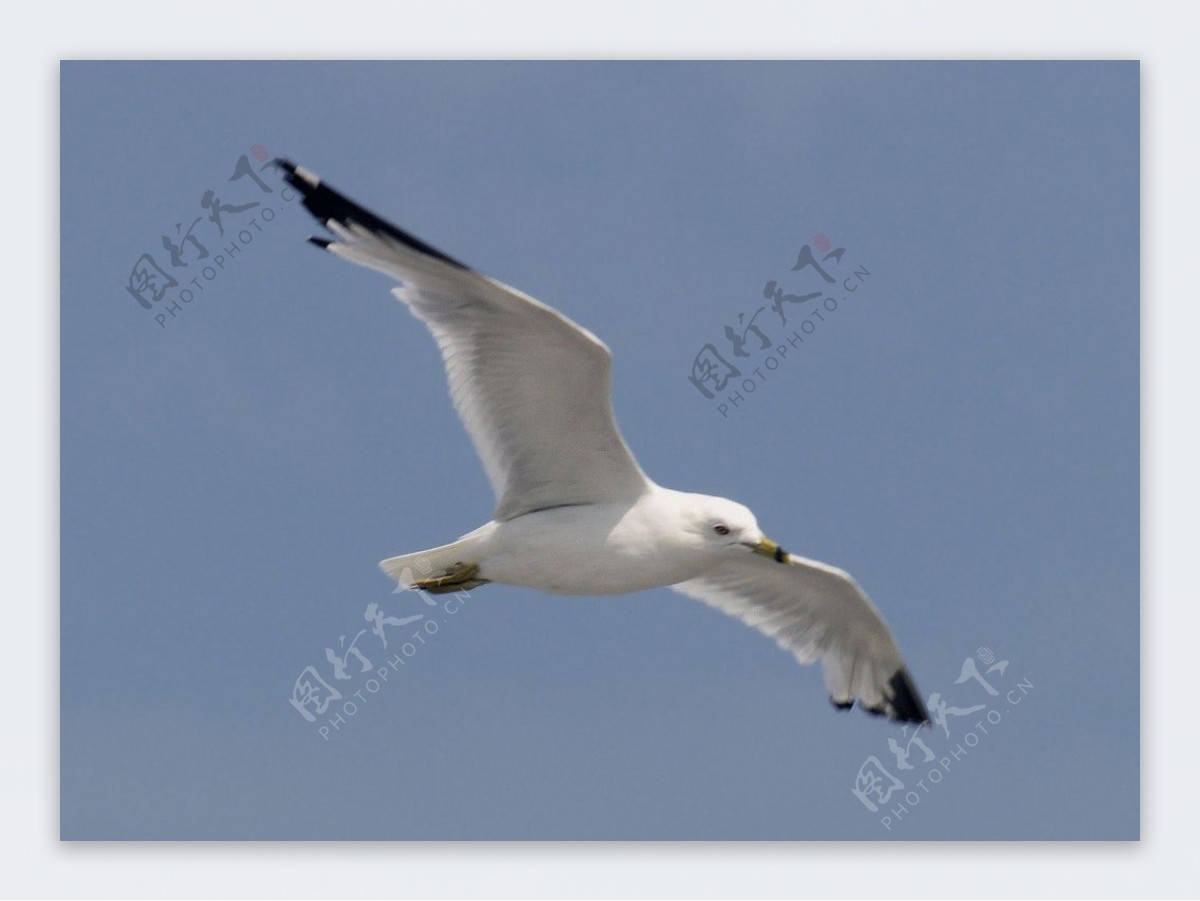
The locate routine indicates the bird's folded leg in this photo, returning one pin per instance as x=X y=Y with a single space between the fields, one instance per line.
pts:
x=459 y=577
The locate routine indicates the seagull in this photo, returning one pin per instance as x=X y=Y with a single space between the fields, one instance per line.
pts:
x=574 y=512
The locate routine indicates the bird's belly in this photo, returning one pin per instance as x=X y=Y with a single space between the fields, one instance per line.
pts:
x=552 y=552
x=563 y=570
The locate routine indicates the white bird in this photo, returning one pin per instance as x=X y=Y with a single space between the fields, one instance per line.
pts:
x=575 y=514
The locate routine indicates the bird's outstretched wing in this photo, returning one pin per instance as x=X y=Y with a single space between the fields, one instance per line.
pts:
x=818 y=613
x=531 y=386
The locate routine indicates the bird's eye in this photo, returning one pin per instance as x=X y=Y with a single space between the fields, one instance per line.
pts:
x=720 y=529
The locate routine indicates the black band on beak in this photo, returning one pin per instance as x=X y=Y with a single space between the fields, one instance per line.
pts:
x=780 y=555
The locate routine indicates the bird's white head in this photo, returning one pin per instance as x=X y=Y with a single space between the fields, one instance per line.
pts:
x=720 y=523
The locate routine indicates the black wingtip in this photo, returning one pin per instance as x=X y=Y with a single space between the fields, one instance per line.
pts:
x=328 y=205
x=323 y=243
x=907 y=706
x=903 y=706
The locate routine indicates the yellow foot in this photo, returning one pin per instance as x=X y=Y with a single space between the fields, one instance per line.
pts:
x=459 y=577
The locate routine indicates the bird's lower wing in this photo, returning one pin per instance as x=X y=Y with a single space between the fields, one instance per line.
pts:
x=531 y=386
x=818 y=613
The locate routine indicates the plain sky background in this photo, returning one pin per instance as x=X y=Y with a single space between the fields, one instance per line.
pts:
x=963 y=438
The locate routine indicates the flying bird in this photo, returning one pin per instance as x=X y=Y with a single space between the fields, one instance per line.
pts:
x=574 y=512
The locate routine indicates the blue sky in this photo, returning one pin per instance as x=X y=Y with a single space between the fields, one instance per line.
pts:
x=961 y=434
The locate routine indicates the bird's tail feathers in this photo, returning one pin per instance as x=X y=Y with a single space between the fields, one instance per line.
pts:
x=409 y=569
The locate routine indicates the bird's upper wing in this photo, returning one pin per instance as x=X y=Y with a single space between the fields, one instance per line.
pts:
x=818 y=613
x=531 y=386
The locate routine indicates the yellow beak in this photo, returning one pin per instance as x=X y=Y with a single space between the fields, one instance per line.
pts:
x=769 y=548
